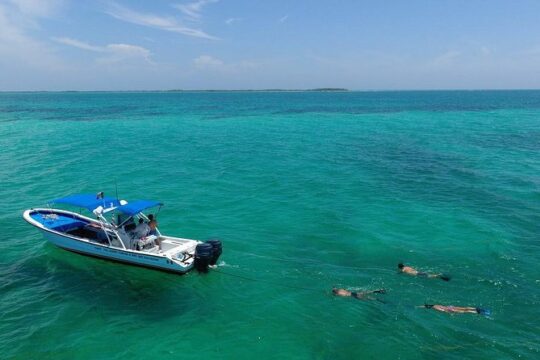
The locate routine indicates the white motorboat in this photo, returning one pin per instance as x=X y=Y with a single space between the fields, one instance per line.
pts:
x=121 y=232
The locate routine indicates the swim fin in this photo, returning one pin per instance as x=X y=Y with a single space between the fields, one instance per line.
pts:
x=444 y=277
x=485 y=312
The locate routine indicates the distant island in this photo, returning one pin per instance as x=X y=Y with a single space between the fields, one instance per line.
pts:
x=264 y=90
x=178 y=90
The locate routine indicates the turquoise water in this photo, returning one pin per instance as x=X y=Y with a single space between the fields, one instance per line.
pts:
x=307 y=191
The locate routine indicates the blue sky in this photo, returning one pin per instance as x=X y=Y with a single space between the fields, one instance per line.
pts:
x=254 y=44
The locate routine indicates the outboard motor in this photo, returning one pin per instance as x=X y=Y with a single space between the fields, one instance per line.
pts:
x=216 y=250
x=203 y=256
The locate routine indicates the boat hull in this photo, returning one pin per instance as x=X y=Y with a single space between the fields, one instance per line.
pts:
x=87 y=248
x=83 y=246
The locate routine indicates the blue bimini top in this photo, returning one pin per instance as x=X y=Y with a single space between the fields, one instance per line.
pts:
x=137 y=206
x=87 y=201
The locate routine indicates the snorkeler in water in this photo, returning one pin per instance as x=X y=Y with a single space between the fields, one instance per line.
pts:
x=458 y=309
x=360 y=295
x=413 y=272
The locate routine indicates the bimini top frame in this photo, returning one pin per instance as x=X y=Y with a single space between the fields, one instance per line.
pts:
x=99 y=205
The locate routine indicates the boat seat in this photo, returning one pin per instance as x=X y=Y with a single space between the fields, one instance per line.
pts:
x=126 y=239
x=116 y=243
x=180 y=248
x=153 y=250
x=65 y=224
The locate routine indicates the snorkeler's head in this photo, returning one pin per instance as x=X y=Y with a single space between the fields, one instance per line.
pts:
x=428 y=306
x=400 y=266
x=334 y=291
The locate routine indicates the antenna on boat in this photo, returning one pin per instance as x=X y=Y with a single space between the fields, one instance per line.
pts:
x=116 y=188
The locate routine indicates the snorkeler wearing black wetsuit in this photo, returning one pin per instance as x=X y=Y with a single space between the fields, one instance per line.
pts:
x=413 y=272
x=360 y=295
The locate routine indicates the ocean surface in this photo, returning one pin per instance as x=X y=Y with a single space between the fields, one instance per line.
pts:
x=307 y=190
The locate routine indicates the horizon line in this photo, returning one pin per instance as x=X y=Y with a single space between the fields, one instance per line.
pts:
x=326 y=89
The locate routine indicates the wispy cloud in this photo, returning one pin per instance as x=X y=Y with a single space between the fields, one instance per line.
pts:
x=78 y=44
x=154 y=21
x=535 y=50
x=447 y=58
x=17 y=46
x=231 y=21
x=123 y=52
x=282 y=19
x=115 y=52
x=207 y=62
x=38 y=8
x=193 y=10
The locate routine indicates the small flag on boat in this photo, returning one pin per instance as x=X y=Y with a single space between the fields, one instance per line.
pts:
x=99 y=195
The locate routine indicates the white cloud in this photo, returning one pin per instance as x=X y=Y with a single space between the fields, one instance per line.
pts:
x=38 y=8
x=193 y=10
x=535 y=50
x=207 y=61
x=154 y=21
x=283 y=18
x=78 y=44
x=122 y=52
x=17 y=48
x=230 y=21
x=114 y=52
x=446 y=59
